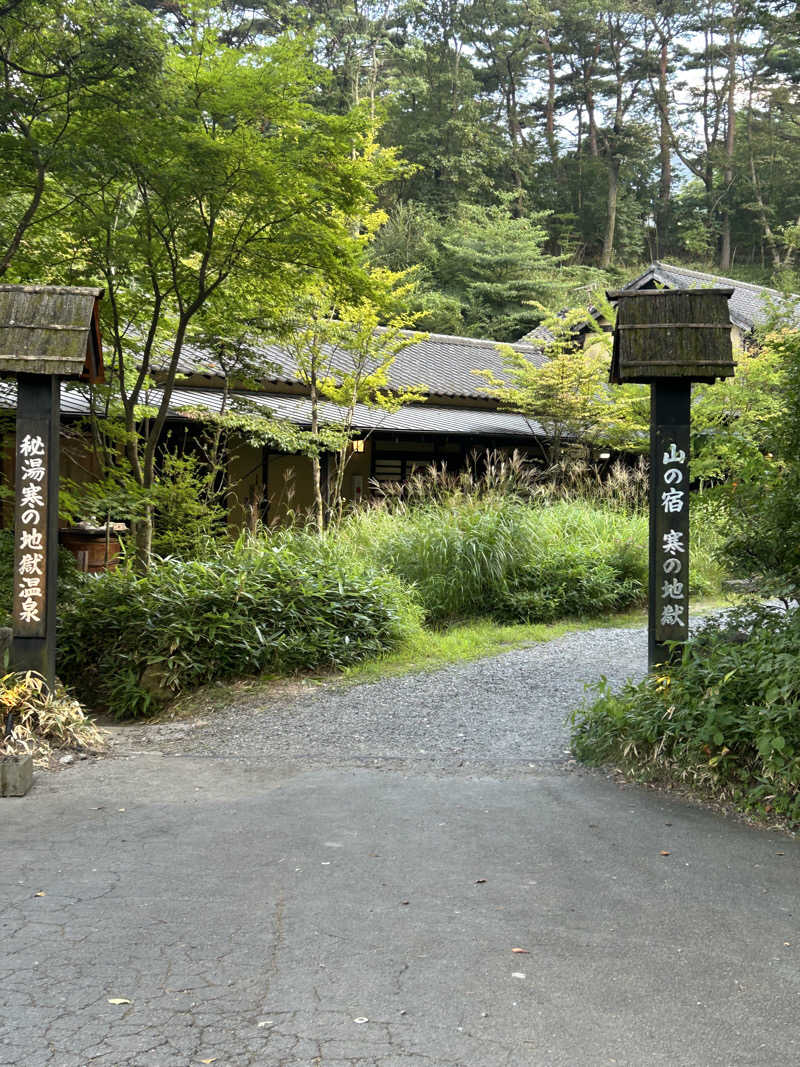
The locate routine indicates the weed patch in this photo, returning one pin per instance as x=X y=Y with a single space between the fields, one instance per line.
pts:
x=514 y=560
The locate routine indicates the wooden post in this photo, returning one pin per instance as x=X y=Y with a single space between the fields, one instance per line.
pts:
x=668 y=339
x=670 y=400
x=36 y=525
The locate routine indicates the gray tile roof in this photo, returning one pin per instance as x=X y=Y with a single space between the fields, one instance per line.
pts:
x=749 y=306
x=414 y=419
x=443 y=363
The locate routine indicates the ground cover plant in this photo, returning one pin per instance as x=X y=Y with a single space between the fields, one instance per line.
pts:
x=288 y=602
x=725 y=719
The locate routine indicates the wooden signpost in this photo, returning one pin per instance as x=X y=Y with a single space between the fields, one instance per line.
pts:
x=47 y=333
x=669 y=339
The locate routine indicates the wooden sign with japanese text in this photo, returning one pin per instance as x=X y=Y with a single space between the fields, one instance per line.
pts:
x=47 y=333
x=671 y=579
x=31 y=529
x=669 y=339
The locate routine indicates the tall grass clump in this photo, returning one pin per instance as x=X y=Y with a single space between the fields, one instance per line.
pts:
x=619 y=486
x=278 y=603
x=507 y=540
x=504 y=557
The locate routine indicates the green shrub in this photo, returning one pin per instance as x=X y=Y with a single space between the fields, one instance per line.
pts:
x=569 y=582
x=762 y=521
x=282 y=604
x=725 y=719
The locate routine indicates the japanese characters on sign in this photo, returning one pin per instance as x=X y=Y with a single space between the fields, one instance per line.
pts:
x=672 y=536
x=30 y=570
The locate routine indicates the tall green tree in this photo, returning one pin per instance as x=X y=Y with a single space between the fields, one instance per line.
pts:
x=436 y=108
x=214 y=179
x=61 y=61
x=495 y=264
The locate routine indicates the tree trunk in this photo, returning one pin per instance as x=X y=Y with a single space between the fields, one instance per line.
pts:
x=143 y=537
x=593 y=145
x=27 y=218
x=664 y=148
x=316 y=466
x=665 y=154
x=730 y=143
x=611 y=223
x=319 y=507
x=550 y=113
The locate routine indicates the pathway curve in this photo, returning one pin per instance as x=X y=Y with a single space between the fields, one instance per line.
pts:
x=505 y=712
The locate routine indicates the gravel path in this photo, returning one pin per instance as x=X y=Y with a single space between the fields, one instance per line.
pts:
x=508 y=711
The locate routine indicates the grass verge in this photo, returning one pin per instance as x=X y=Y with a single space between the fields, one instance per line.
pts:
x=721 y=722
x=481 y=638
x=429 y=650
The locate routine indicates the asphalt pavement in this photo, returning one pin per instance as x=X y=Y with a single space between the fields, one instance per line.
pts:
x=184 y=903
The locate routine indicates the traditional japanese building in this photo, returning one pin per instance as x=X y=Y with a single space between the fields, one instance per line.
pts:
x=460 y=416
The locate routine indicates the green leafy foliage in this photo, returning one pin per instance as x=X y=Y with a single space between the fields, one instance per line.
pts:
x=725 y=719
x=761 y=497
x=185 y=498
x=735 y=420
x=281 y=604
x=568 y=392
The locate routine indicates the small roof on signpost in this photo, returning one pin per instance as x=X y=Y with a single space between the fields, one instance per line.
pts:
x=51 y=329
x=671 y=333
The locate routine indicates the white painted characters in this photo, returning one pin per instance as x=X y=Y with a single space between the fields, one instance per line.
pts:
x=674 y=591
x=30 y=589
x=672 y=615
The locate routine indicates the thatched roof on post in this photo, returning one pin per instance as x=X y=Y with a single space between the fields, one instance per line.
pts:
x=671 y=333
x=50 y=329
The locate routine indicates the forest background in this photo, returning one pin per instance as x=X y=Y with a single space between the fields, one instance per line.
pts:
x=540 y=146
x=611 y=134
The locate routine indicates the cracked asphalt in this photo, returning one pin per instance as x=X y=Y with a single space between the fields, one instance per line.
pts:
x=335 y=876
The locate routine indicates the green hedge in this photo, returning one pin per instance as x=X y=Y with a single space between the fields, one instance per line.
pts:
x=725 y=719
x=128 y=642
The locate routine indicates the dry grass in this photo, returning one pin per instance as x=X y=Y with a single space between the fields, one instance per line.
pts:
x=39 y=722
x=619 y=485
